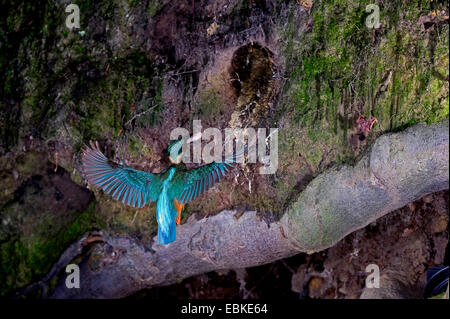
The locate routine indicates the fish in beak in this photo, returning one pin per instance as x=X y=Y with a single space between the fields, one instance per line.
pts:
x=194 y=137
x=176 y=149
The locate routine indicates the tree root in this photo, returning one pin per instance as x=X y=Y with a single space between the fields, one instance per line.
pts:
x=399 y=168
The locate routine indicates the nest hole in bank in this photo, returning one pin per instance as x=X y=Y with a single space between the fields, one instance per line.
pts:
x=252 y=78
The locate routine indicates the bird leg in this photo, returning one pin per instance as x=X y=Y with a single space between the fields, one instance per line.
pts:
x=179 y=208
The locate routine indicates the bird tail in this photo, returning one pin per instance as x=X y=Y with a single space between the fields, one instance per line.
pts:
x=168 y=235
x=165 y=215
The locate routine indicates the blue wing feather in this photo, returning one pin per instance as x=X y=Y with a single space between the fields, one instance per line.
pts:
x=123 y=182
x=111 y=183
x=127 y=188
x=188 y=185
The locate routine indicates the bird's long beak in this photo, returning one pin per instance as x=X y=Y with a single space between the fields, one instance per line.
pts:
x=194 y=137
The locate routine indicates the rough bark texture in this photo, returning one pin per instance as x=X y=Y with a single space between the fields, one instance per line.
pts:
x=401 y=167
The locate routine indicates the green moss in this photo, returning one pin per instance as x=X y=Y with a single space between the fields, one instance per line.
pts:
x=130 y=221
x=339 y=68
x=154 y=6
x=330 y=221
x=29 y=163
x=84 y=4
x=66 y=95
x=136 y=147
x=209 y=104
x=31 y=254
x=307 y=234
x=107 y=104
x=341 y=50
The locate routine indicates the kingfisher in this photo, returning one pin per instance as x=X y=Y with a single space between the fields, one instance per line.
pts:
x=172 y=188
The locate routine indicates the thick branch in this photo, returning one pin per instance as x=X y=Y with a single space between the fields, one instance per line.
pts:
x=400 y=168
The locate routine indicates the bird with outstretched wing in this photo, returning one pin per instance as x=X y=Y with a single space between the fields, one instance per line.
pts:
x=171 y=189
